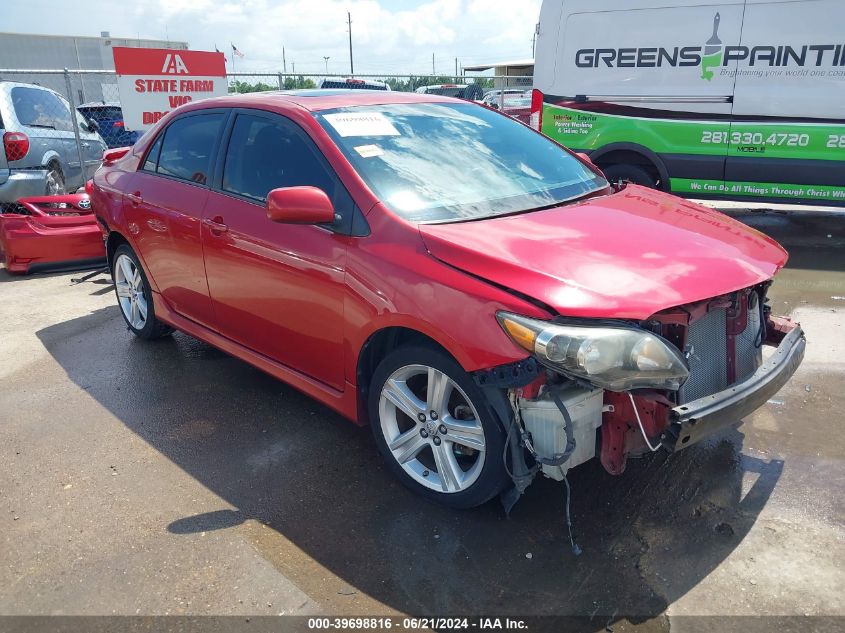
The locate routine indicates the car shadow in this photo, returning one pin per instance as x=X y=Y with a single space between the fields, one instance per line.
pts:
x=281 y=459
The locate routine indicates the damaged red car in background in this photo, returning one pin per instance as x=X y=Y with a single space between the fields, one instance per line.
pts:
x=50 y=233
x=479 y=295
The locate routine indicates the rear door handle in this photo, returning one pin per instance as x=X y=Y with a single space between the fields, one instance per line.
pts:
x=216 y=225
x=135 y=198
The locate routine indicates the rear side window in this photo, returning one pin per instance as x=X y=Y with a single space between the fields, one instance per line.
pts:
x=151 y=162
x=35 y=107
x=188 y=146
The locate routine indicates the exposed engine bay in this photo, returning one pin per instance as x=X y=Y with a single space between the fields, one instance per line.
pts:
x=561 y=421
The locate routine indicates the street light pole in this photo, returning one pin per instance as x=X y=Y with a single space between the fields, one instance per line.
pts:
x=326 y=59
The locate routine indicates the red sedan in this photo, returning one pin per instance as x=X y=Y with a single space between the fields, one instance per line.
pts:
x=480 y=296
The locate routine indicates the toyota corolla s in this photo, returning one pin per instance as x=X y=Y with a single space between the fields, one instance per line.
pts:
x=480 y=296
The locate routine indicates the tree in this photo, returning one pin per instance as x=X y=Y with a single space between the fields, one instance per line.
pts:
x=242 y=87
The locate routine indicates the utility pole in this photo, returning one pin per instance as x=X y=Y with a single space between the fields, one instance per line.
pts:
x=456 y=68
x=293 y=67
x=349 y=24
x=432 y=64
x=284 y=63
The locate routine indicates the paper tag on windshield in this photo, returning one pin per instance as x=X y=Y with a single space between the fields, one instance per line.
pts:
x=368 y=151
x=361 y=124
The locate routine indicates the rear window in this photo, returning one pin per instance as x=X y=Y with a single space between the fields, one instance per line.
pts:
x=102 y=113
x=456 y=91
x=360 y=85
x=35 y=107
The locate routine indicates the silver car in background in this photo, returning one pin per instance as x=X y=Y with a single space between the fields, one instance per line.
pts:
x=40 y=155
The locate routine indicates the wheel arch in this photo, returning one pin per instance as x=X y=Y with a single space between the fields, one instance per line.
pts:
x=114 y=240
x=631 y=153
x=51 y=157
x=377 y=346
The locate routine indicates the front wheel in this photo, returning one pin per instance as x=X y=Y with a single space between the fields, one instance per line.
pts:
x=435 y=429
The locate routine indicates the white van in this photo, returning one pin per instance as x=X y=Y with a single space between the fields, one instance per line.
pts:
x=740 y=99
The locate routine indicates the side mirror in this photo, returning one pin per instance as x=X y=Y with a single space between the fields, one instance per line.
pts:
x=299 y=205
x=93 y=126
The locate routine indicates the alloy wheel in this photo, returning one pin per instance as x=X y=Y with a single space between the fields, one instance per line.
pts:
x=431 y=428
x=130 y=291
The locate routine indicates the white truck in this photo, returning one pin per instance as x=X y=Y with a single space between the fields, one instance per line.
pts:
x=741 y=99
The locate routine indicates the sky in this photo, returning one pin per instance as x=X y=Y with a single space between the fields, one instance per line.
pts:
x=388 y=36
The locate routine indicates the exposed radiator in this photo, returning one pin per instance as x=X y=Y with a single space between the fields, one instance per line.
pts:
x=707 y=343
x=707 y=349
x=749 y=355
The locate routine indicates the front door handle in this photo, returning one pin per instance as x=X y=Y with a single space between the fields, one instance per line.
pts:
x=216 y=225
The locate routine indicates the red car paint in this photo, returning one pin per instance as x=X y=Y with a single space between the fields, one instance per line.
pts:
x=627 y=255
x=50 y=232
x=301 y=303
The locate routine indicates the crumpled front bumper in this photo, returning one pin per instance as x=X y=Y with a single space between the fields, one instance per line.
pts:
x=695 y=420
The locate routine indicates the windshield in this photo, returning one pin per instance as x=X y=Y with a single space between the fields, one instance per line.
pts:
x=437 y=162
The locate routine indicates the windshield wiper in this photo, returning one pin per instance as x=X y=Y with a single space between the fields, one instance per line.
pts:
x=41 y=125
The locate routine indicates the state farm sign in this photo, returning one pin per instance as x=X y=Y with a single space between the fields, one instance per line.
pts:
x=153 y=81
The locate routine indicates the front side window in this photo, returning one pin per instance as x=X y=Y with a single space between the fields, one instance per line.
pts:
x=270 y=153
x=438 y=162
x=188 y=146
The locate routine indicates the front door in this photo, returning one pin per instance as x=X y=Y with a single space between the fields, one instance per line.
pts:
x=276 y=288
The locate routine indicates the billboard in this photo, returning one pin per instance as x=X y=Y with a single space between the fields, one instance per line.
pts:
x=153 y=81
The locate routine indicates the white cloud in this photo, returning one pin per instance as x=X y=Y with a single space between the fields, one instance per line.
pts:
x=397 y=36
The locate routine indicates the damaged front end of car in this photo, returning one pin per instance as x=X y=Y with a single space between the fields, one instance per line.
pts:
x=50 y=233
x=617 y=389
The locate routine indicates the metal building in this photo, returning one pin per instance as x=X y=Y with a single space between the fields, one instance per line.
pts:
x=51 y=52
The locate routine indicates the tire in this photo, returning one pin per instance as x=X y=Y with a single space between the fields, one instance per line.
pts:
x=134 y=296
x=469 y=453
x=55 y=182
x=629 y=173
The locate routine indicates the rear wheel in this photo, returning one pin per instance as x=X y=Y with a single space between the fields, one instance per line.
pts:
x=435 y=429
x=630 y=173
x=134 y=295
x=55 y=182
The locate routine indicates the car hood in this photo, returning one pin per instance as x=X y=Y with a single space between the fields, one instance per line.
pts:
x=626 y=255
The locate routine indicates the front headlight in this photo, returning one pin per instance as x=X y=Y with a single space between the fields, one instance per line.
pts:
x=615 y=358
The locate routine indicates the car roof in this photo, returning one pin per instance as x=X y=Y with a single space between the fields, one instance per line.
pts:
x=327 y=99
x=100 y=104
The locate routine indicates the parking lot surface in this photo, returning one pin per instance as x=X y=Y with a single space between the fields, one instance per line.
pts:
x=169 y=478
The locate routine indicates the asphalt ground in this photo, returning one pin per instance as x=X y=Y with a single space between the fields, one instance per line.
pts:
x=161 y=478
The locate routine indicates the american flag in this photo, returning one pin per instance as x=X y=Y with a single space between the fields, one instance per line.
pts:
x=236 y=51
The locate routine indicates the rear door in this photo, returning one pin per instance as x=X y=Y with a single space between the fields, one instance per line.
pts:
x=788 y=132
x=164 y=207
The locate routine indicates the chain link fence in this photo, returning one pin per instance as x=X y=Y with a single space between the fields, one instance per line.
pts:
x=56 y=124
